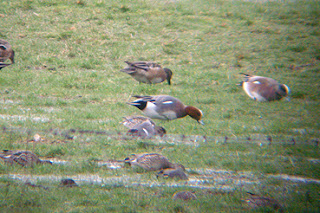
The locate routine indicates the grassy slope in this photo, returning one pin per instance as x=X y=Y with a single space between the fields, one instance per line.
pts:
x=203 y=43
x=66 y=76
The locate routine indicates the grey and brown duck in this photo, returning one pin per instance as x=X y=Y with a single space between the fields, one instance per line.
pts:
x=22 y=157
x=142 y=127
x=148 y=72
x=256 y=201
x=150 y=162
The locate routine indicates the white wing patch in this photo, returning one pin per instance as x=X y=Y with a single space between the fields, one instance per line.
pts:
x=256 y=82
x=151 y=111
x=167 y=102
x=145 y=131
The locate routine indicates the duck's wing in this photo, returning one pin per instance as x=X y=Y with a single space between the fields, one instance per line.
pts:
x=3 y=65
x=144 y=65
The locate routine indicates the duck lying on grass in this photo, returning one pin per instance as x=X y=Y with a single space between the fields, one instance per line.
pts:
x=24 y=158
x=150 y=162
x=255 y=201
x=184 y=195
x=142 y=127
x=264 y=89
x=175 y=173
x=68 y=182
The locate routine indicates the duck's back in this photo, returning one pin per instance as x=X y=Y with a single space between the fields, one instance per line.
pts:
x=152 y=161
x=169 y=106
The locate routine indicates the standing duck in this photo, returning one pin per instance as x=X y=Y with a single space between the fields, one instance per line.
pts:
x=150 y=161
x=6 y=51
x=148 y=72
x=24 y=158
x=165 y=107
x=142 y=126
x=264 y=89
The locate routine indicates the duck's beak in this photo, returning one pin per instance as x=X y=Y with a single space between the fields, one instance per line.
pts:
x=200 y=122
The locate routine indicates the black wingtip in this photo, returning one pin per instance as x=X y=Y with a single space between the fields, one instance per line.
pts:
x=3 y=65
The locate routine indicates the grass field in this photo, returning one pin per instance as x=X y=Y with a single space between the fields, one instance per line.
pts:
x=66 y=85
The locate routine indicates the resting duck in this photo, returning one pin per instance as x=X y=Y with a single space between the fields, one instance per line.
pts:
x=148 y=72
x=256 y=201
x=142 y=127
x=68 y=182
x=6 y=51
x=150 y=162
x=24 y=158
x=176 y=173
x=184 y=195
x=165 y=107
x=264 y=89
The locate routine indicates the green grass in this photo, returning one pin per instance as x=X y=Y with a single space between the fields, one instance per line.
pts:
x=66 y=77
x=117 y=198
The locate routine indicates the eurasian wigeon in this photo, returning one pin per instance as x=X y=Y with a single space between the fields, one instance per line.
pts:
x=165 y=107
x=148 y=72
x=142 y=126
x=68 y=182
x=184 y=195
x=255 y=201
x=264 y=89
x=6 y=51
x=150 y=162
x=175 y=173
x=24 y=158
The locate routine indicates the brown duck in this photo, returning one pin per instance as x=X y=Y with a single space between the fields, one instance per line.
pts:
x=142 y=126
x=148 y=72
x=68 y=182
x=256 y=201
x=165 y=107
x=264 y=89
x=6 y=51
x=24 y=158
x=149 y=161
x=184 y=195
x=175 y=173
